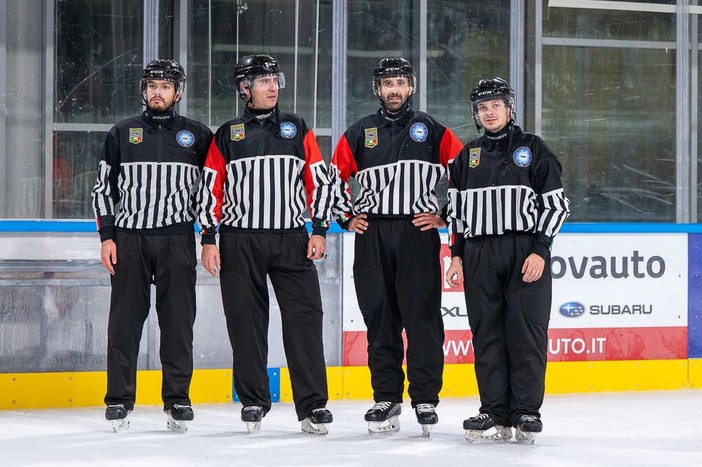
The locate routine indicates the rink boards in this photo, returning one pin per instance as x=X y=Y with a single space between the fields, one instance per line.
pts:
x=626 y=315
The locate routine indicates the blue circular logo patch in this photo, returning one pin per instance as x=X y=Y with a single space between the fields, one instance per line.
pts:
x=419 y=132
x=185 y=138
x=522 y=156
x=288 y=130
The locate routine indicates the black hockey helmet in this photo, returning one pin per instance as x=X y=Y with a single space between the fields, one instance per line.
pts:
x=251 y=66
x=491 y=89
x=167 y=69
x=391 y=67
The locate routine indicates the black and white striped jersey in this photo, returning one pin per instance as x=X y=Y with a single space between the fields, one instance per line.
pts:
x=263 y=173
x=397 y=163
x=149 y=172
x=507 y=184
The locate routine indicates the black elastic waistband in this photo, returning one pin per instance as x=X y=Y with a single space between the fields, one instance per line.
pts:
x=506 y=234
x=175 y=229
x=229 y=229
x=391 y=217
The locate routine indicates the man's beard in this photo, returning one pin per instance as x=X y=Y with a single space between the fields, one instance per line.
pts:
x=394 y=106
x=158 y=105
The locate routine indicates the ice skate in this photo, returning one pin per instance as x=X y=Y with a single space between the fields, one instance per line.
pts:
x=483 y=428
x=316 y=422
x=178 y=416
x=383 y=417
x=527 y=428
x=119 y=416
x=426 y=416
x=252 y=416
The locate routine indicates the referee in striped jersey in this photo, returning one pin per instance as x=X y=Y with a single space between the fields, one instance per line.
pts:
x=263 y=170
x=144 y=201
x=397 y=155
x=506 y=203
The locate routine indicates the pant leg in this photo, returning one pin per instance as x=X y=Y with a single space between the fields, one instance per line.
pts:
x=485 y=304
x=418 y=285
x=175 y=262
x=296 y=286
x=528 y=311
x=245 y=300
x=374 y=279
x=129 y=307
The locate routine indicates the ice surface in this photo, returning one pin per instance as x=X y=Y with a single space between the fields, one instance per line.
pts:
x=642 y=428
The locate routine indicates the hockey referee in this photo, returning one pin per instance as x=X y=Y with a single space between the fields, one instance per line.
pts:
x=263 y=170
x=144 y=201
x=397 y=155
x=506 y=204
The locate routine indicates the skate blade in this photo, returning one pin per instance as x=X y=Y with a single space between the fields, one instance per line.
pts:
x=426 y=430
x=176 y=426
x=391 y=425
x=525 y=437
x=501 y=434
x=253 y=427
x=314 y=428
x=120 y=425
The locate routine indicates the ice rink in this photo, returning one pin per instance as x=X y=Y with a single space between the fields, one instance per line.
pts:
x=644 y=428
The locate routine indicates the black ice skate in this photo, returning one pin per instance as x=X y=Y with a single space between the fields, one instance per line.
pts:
x=483 y=428
x=252 y=416
x=316 y=422
x=527 y=427
x=383 y=417
x=426 y=416
x=177 y=416
x=119 y=416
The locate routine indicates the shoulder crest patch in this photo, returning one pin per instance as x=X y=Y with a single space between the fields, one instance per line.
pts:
x=136 y=135
x=236 y=132
x=288 y=130
x=522 y=156
x=419 y=132
x=185 y=138
x=474 y=158
x=371 y=137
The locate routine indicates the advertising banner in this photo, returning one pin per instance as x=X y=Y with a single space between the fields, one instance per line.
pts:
x=615 y=297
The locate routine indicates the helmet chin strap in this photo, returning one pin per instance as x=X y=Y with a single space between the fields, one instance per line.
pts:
x=247 y=100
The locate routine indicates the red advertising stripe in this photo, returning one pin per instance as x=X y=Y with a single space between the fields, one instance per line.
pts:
x=592 y=344
x=565 y=345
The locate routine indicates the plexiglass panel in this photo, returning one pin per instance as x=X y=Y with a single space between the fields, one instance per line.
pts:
x=98 y=60
x=609 y=113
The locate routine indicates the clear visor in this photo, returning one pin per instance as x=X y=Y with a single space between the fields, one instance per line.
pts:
x=276 y=80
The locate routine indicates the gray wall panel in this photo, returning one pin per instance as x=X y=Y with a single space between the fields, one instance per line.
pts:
x=53 y=312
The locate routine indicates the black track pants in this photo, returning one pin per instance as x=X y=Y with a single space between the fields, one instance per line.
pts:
x=168 y=261
x=247 y=258
x=509 y=320
x=397 y=273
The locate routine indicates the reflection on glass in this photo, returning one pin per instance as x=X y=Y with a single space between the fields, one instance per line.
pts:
x=609 y=115
x=98 y=60
x=260 y=26
x=625 y=23
x=76 y=155
x=466 y=41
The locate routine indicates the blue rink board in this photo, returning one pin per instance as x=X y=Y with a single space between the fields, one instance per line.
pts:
x=88 y=225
